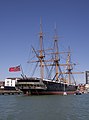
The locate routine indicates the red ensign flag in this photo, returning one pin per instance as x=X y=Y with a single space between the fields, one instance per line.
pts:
x=14 y=69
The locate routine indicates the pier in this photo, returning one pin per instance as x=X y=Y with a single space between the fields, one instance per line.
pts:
x=9 y=92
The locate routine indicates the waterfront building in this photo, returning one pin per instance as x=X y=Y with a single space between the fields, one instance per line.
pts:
x=10 y=83
x=87 y=77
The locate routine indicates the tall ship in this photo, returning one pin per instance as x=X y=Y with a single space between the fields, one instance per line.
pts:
x=58 y=80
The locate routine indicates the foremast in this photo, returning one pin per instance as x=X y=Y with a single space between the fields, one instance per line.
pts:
x=69 y=67
x=69 y=70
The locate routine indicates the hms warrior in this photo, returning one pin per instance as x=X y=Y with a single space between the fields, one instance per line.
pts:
x=59 y=84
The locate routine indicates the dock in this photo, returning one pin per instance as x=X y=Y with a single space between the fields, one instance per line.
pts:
x=10 y=92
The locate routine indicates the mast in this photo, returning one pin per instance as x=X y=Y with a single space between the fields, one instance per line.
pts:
x=54 y=61
x=41 y=55
x=70 y=69
x=69 y=66
x=56 y=50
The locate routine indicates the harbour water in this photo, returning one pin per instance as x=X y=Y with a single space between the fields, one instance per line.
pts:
x=52 y=107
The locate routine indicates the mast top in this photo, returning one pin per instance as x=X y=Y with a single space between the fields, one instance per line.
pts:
x=40 y=25
x=41 y=31
x=55 y=30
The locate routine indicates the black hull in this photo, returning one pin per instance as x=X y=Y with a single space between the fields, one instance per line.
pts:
x=49 y=88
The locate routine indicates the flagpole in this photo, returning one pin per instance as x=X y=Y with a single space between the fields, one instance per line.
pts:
x=22 y=70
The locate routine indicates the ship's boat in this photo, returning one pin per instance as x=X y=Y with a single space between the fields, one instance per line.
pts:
x=60 y=83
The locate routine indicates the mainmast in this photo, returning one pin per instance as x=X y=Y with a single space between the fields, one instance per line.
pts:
x=56 y=50
x=41 y=55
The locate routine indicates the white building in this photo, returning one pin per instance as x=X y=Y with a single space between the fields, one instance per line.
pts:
x=10 y=82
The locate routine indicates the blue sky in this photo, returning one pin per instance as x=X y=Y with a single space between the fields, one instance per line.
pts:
x=20 y=25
